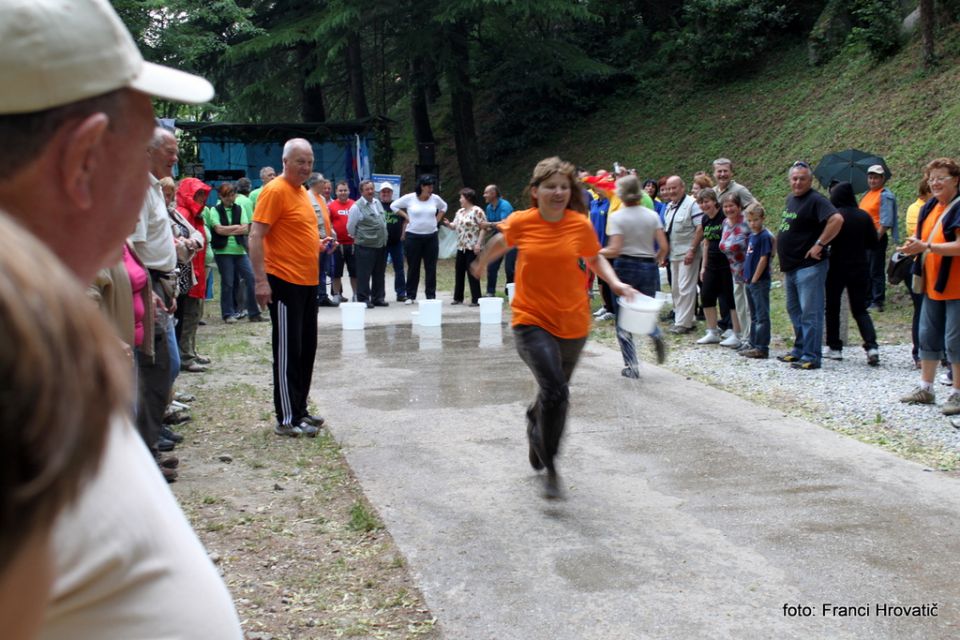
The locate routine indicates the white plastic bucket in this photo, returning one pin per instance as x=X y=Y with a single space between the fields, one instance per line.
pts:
x=431 y=312
x=491 y=336
x=511 y=287
x=639 y=315
x=664 y=297
x=351 y=315
x=491 y=310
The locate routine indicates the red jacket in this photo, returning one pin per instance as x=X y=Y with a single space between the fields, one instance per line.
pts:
x=193 y=213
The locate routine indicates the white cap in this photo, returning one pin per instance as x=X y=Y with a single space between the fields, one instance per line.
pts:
x=56 y=52
x=877 y=168
x=385 y=185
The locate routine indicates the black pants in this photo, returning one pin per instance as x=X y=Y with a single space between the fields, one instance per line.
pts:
x=464 y=259
x=371 y=264
x=856 y=280
x=293 y=312
x=154 y=381
x=426 y=249
x=877 y=259
x=552 y=361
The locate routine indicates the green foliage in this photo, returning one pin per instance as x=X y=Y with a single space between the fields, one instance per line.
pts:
x=721 y=36
x=363 y=519
x=877 y=26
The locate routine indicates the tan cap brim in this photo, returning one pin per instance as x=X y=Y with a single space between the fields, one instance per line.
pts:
x=171 y=84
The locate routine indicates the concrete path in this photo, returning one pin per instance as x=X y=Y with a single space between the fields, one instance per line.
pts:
x=690 y=513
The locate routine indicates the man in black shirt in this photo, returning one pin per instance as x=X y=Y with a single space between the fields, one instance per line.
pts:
x=807 y=226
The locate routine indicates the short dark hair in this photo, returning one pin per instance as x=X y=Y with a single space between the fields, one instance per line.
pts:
x=244 y=186
x=470 y=195
x=24 y=135
x=226 y=188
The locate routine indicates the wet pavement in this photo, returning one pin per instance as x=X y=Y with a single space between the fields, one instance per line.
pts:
x=690 y=513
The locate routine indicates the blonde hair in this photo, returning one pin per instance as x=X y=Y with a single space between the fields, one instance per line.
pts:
x=549 y=167
x=756 y=209
x=63 y=376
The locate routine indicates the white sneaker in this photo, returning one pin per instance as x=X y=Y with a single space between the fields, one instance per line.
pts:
x=834 y=354
x=408 y=301
x=710 y=337
x=607 y=316
x=945 y=379
x=726 y=334
x=599 y=312
x=733 y=342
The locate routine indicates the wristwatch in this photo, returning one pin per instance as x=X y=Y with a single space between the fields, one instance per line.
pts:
x=821 y=243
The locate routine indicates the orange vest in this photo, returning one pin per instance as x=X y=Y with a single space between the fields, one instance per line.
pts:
x=871 y=204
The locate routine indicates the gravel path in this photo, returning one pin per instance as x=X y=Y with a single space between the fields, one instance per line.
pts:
x=845 y=395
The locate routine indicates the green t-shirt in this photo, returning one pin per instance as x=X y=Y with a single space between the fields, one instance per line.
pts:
x=211 y=217
x=253 y=197
x=246 y=204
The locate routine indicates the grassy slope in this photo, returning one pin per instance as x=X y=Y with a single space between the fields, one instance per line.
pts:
x=787 y=111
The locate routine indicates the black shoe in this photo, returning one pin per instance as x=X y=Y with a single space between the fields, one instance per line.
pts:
x=630 y=372
x=177 y=417
x=165 y=445
x=171 y=435
x=381 y=303
x=309 y=430
x=369 y=305
x=316 y=421
x=551 y=486
x=788 y=357
x=257 y=318
x=457 y=302
x=170 y=462
x=170 y=475
x=401 y=298
x=806 y=365
x=327 y=302
x=535 y=461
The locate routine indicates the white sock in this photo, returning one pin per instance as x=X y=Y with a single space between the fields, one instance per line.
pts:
x=926 y=386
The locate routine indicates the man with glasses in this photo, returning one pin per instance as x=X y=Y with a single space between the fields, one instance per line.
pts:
x=808 y=225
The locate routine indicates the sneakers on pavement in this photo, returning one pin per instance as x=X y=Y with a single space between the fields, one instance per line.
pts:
x=308 y=429
x=952 y=406
x=919 y=396
x=946 y=379
x=788 y=357
x=677 y=329
x=873 y=357
x=710 y=337
x=726 y=334
x=599 y=312
x=408 y=301
x=834 y=354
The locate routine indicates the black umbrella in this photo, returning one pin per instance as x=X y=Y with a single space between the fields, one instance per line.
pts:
x=848 y=166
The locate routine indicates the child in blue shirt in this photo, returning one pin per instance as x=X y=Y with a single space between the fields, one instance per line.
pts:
x=756 y=273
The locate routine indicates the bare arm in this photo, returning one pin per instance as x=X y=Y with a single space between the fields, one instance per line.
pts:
x=614 y=246
x=262 y=289
x=663 y=245
x=830 y=232
x=602 y=268
x=494 y=249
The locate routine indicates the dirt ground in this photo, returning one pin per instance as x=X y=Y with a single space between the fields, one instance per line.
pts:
x=300 y=548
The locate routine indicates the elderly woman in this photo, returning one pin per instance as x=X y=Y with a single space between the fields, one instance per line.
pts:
x=937 y=277
x=468 y=223
x=733 y=244
x=636 y=243
x=423 y=211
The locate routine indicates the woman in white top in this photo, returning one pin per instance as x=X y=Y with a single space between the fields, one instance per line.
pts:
x=423 y=211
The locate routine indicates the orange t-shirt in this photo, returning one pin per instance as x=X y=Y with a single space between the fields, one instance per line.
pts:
x=549 y=280
x=931 y=266
x=871 y=204
x=292 y=246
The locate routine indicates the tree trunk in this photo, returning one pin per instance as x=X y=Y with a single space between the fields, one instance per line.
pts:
x=311 y=96
x=926 y=30
x=422 y=131
x=358 y=96
x=461 y=106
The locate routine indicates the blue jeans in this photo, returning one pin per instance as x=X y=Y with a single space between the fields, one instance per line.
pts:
x=806 y=300
x=758 y=297
x=395 y=252
x=509 y=259
x=940 y=330
x=171 y=330
x=644 y=277
x=231 y=266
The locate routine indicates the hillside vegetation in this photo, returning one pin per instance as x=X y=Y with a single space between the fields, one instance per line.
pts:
x=784 y=110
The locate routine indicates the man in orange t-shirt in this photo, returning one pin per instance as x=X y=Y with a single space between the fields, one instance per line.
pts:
x=284 y=245
x=881 y=204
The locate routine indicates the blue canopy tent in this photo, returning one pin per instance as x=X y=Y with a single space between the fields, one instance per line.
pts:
x=341 y=150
